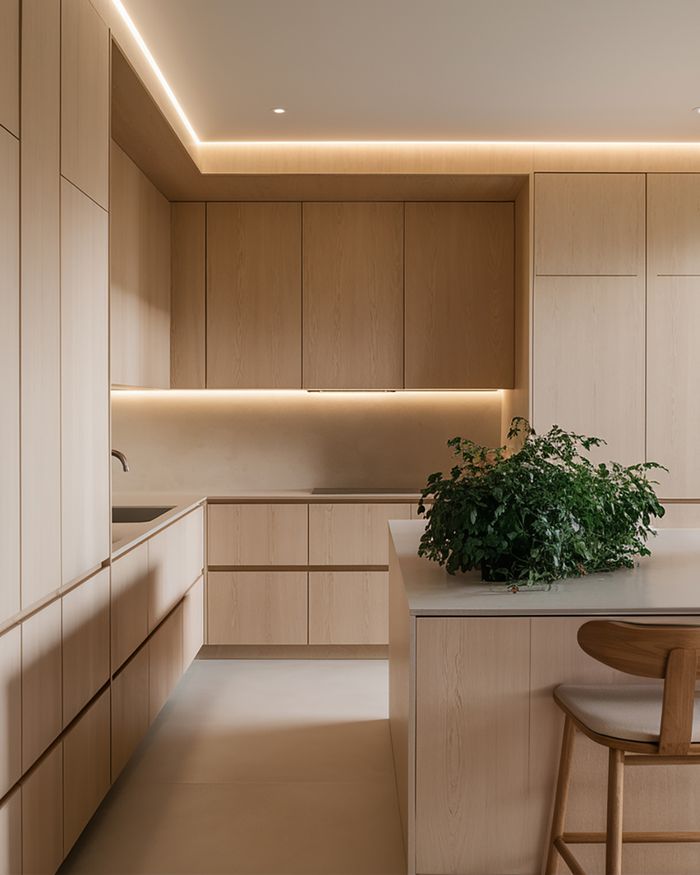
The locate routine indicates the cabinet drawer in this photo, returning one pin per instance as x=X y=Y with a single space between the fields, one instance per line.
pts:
x=165 y=662
x=348 y=607
x=11 y=833
x=192 y=623
x=42 y=708
x=175 y=561
x=11 y=709
x=85 y=642
x=130 y=582
x=258 y=534
x=129 y=709
x=352 y=534
x=257 y=607
x=42 y=815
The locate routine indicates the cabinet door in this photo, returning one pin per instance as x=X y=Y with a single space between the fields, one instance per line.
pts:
x=459 y=296
x=257 y=607
x=353 y=296
x=130 y=587
x=165 y=662
x=175 y=561
x=85 y=642
x=41 y=299
x=10 y=708
x=9 y=65
x=9 y=367
x=86 y=764
x=253 y=296
x=193 y=623
x=589 y=224
x=42 y=815
x=673 y=224
x=130 y=714
x=11 y=834
x=257 y=534
x=352 y=534
x=42 y=707
x=589 y=361
x=139 y=277
x=188 y=296
x=85 y=384
x=348 y=607
x=85 y=99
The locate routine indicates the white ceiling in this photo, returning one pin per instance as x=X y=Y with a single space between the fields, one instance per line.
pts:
x=430 y=69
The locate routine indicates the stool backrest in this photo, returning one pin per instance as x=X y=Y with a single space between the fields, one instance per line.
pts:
x=653 y=651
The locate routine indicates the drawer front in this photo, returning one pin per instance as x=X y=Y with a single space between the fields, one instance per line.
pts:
x=130 y=582
x=85 y=642
x=348 y=607
x=11 y=833
x=258 y=534
x=165 y=662
x=42 y=815
x=11 y=709
x=42 y=688
x=130 y=718
x=352 y=534
x=257 y=607
x=192 y=623
x=175 y=561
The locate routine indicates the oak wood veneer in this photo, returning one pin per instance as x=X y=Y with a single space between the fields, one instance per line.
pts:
x=9 y=65
x=348 y=607
x=193 y=622
x=257 y=534
x=42 y=709
x=352 y=533
x=130 y=709
x=42 y=815
x=11 y=833
x=129 y=606
x=10 y=708
x=188 y=296
x=165 y=664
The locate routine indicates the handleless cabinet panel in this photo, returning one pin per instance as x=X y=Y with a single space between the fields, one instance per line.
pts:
x=86 y=768
x=9 y=368
x=130 y=715
x=589 y=361
x=85 y=99
x=85 y=384
x=589 y=224
x=41 y=300
x=459 y=295
x=257 y=534
x=175 y=561
x=130 y=589
x=85 y=642
x=10 y=708
x=352 y=534
x=42 y=815
x=11 y=834
x=164 y=661
x=192 y=623
x=348 y=607
x=9 y=65
x=188 y=296
x=42 y=710
x=253 y=296
x=257 y=607
x=673 y=224
x=353 y=295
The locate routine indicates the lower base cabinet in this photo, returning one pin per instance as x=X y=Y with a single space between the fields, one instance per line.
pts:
x=42 y=815
x=11 y=833
x=192 y=623
x=130 y=711
x=348 y=607
x=164 y=661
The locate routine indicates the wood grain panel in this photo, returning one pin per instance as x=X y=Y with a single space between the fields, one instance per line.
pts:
x=42 y=815
x=192 y=623
x=352 y=534
x=175 y=560
x=257 y=607
x=85 y=99
x=353 y=295
x=130 y=716
x=164 y=662
x=472 y=711
x=459 y=296
x=254 y=296
x=589 y=224
x=673 y=223
x=673 y=401
x=11 y=833
x=84 y=384
x=139 y=277
x=9 y=385
x=9 y=65
x=257 y=534
x=41 y=299
x=42 y=711
x=348 y=607
x=129 y=609
x=10 y=708
x=86 y=768
x=85 y=642
x=188 y=296
x=589 y=361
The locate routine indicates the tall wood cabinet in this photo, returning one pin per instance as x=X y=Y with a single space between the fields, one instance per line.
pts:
x=9 y=65
x=188 y=246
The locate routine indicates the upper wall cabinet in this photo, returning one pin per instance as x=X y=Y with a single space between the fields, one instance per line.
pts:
x=673 y=224
x=188 y=242
x=85 y=99
x=589 y=224
x=353 y=295
x=139 y=277
x=459 y=295
x=253 y=296
x=9 y=65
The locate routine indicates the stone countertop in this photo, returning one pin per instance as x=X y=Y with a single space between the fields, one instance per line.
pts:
x=667 y=582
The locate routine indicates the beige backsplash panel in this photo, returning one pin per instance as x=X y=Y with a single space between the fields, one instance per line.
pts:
x=213 y=442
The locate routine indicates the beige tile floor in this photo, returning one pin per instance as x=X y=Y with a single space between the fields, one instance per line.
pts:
x=257 y=768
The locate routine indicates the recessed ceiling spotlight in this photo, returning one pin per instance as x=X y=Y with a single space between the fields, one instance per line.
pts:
x=279 y=110
x=695 y=109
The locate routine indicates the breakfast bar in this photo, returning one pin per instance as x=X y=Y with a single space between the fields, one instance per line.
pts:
x=475 y=731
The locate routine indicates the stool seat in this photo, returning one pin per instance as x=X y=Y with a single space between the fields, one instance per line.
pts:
x=631 y=712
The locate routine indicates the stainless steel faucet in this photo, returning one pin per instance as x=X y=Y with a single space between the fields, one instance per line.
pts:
x=122 y=458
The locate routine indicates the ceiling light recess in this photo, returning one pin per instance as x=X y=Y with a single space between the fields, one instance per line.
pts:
x=279 y=110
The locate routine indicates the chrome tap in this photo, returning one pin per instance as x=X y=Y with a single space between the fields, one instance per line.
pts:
x=122 y=458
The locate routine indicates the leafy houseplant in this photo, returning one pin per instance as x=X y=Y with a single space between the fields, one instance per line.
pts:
x=538 y=514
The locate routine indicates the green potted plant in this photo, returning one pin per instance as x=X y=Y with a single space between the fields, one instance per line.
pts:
x=537 y=513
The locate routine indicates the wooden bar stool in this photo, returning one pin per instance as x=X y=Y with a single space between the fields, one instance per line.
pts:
x=640 y=724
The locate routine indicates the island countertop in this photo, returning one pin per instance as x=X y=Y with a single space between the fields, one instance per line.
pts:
x=666 y=583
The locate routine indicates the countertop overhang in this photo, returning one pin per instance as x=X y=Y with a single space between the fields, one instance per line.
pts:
x=667 y=582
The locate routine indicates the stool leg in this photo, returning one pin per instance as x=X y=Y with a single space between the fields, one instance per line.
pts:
x=562 y=795
x=613 y=844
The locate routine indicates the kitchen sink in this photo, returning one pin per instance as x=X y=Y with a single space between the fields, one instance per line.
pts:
x=137 y=514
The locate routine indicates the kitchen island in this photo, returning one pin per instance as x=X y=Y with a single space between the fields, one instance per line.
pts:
x=475 y=732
